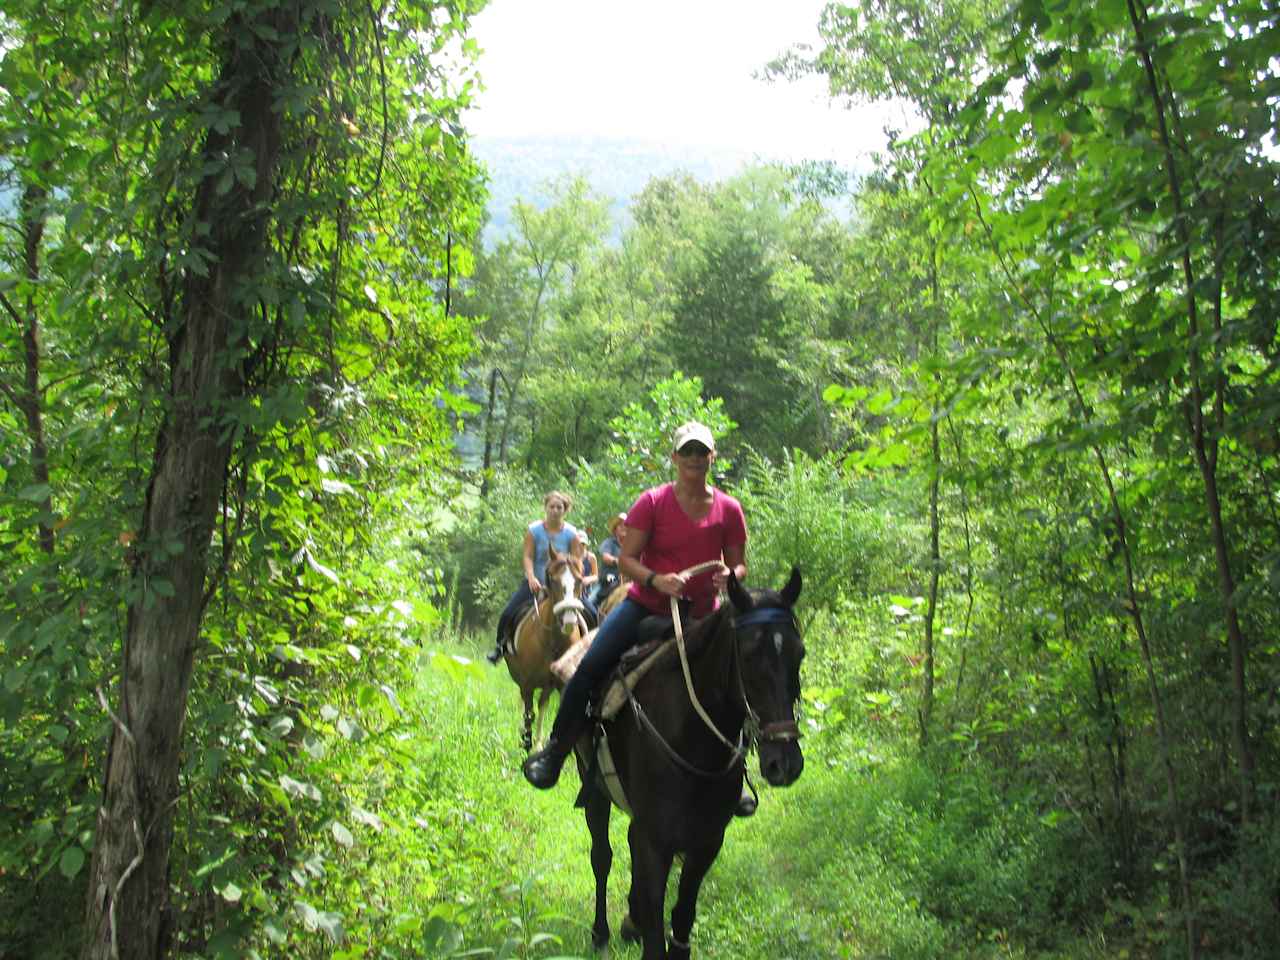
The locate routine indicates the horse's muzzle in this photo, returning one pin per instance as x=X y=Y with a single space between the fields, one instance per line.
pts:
x=781 y=762
x=568 y=610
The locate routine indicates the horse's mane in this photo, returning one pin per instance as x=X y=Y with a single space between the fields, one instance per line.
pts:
x=700 y=636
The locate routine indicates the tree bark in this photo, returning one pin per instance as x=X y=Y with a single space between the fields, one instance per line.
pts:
x=935 y=573
x=30 y=398
x=487 y=465
x=1204 y=447
x=127 y=913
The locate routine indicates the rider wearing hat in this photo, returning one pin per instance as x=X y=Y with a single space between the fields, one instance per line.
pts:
x=610 y=551
x=669 y=529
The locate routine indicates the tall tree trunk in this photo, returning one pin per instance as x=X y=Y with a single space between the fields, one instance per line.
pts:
x=1204 y=447
x=29 y=398
x=128 y=900
x=935 y=479
x=935 y=573
x=487 y=464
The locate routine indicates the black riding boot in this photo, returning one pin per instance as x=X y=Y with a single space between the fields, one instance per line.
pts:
x=500 y=647
x=542 y=769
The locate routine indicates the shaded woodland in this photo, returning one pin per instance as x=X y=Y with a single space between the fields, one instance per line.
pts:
x=1016 y=417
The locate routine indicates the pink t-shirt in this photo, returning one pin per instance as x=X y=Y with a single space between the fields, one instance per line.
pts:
x=677 y=543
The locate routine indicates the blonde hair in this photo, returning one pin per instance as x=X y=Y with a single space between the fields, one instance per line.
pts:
x=562 y=497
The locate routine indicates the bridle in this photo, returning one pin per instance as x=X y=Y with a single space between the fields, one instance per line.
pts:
x=780 y=731
x=570 y=601
x=777 y=731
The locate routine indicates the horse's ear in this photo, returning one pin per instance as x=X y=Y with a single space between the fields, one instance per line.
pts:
x=738 y=596
x=552 y=552
x=791 y=592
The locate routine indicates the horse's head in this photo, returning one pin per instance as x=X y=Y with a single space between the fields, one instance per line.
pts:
x=769 y=655
x=564 y=588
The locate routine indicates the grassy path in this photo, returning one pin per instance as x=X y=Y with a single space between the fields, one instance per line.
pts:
x=902 y=863
x=791 y=882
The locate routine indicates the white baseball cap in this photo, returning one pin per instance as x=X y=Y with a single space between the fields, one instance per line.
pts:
x=693 y=431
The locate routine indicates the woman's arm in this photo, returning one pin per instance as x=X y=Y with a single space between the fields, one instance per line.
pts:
x=735 y=559
x=527 y=561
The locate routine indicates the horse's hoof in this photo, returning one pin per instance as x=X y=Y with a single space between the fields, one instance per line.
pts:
x=600 y=938
x=676 y=951
x=630 y=932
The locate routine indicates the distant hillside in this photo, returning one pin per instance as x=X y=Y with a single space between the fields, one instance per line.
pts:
x=619 y=169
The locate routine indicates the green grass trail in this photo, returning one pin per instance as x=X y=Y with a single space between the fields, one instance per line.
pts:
x=805 y=879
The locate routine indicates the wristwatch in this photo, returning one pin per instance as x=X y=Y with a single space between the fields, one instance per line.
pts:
x=648 y=581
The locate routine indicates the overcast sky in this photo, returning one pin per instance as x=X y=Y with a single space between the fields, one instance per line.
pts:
x=661 y=70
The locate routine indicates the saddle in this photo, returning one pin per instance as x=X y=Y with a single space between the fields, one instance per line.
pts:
x=652 y=633
x=655 y=642
x=510 y=628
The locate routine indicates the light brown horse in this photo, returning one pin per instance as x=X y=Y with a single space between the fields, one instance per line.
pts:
x=551 y=627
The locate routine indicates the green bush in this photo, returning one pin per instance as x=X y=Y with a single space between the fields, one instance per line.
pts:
x=849 y=536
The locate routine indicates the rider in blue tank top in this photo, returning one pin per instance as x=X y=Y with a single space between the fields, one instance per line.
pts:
x=540 y=535
x=564 y=539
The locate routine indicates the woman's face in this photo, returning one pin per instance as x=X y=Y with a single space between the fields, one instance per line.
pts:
x=555 y=510
x=693 y=459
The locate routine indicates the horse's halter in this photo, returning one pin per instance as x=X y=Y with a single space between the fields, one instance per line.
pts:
x=778 y=731
x=570 y=601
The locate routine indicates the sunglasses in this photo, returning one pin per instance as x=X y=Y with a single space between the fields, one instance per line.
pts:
x=694 y=450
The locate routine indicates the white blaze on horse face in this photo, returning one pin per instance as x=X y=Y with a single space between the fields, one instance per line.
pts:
x=568 y=616
x=777 y=643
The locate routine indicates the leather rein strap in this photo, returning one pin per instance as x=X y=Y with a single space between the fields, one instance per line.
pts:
x=684 y=663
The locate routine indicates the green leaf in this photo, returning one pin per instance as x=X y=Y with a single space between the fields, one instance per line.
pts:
x=36 y=493
x=71 y=861
x=275 y=930
x=342 y=835
x=880 y=401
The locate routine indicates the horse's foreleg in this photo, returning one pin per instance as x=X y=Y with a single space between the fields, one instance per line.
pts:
x=526 y=730
x=597 y=811
x=543 y=696
x=696 y=865
x=649 y=868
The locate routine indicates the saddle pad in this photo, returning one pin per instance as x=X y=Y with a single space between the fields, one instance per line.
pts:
x=525 y=611
x=604 y=767
x=635 y=664
x=617 y=687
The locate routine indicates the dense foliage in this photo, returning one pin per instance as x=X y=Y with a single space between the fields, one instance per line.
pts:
x=227 y=354
x=1016 y=419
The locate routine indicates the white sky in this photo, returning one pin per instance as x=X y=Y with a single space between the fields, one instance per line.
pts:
x=677 y=71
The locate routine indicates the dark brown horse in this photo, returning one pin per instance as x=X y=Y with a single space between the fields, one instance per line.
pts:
x=681 y=779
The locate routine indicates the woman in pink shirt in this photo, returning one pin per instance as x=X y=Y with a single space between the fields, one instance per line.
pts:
x=669 y=529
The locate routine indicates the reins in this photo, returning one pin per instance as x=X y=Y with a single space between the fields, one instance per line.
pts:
x=684 y=663
x=783 y=730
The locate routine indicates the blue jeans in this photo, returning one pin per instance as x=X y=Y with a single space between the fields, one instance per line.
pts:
x=617 y=635
x=506 y=621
